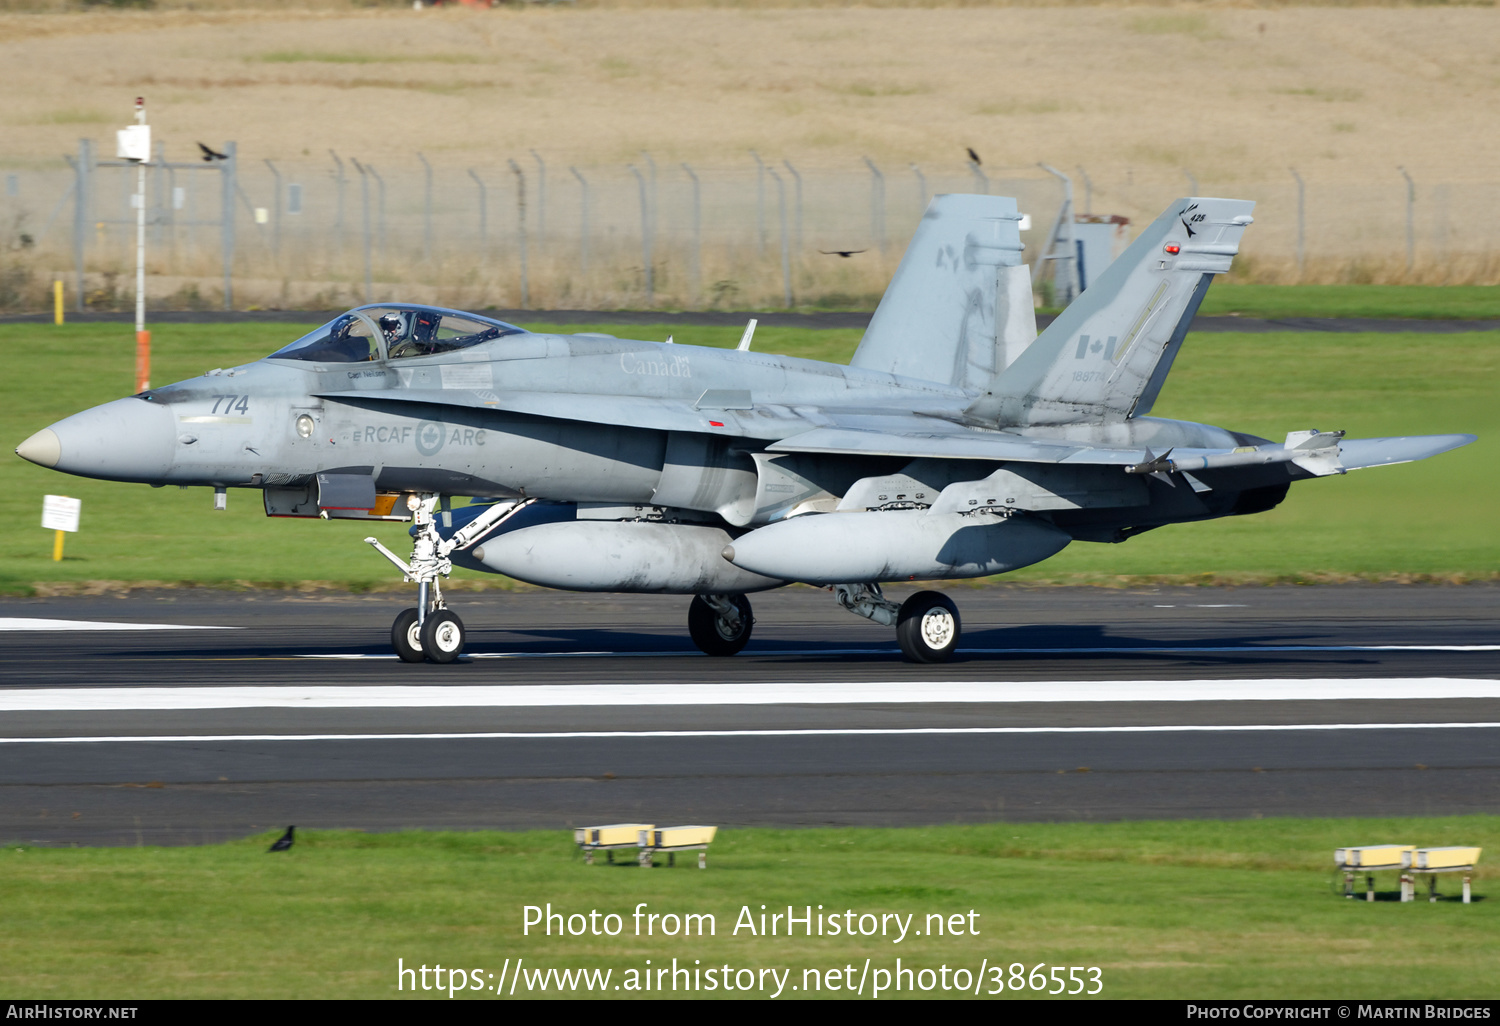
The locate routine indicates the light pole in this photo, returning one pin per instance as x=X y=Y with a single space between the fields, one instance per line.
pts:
x=134 y=144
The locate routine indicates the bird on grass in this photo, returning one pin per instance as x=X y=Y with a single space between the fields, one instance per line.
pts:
x=284 y=842
x=212 y=155
x=845 y=253
x=972 y=155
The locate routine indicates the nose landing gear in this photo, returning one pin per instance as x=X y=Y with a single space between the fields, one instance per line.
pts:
x=431 y=630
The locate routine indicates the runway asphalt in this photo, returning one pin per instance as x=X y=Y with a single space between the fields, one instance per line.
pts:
x=123 y=721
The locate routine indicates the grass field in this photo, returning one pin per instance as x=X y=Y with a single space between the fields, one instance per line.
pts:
x=1436 y=517
x=1438 y=302
x=1164 y=909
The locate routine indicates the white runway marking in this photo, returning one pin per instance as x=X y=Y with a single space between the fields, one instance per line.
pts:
x=398 y=696
x=809 y=732
x=1073 y=650
x=22 y=623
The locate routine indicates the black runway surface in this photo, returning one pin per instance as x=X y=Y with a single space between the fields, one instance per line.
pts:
x=1110 y=745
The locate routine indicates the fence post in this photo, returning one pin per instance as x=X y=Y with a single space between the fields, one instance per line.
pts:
x=797 y=178
x=786 y=242
x=651 y=180
x=583 y=225
x=645 y=236
x=1411 y=226
x=760 y=202
x=426 y=210
x=1192 y=181
x=1061 y=236
x=921 y=187
x=979 y=176
x=877 y=203
x=364 y=221
x=81 y=215
x=379 y=206
x=338 y=219
x=541 y=199
x=1301 y=223
x=521 y=230
x=158 y=205
x=277 y=210
x=697 y=233
x=1088 y=190
x=228 y=168
x=484 y=217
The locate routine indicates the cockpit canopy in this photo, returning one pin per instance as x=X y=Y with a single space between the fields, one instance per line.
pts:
x=393 y=332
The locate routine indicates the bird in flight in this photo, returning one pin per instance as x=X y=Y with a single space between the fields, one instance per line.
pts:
x=972 y=155
x=846 y=253
x=284 y=842
x=210 y=155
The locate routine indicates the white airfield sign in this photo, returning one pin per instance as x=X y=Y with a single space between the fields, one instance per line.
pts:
x=60 y=513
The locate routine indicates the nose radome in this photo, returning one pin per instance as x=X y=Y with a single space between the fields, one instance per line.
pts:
x=42 y=448
x=126 y=440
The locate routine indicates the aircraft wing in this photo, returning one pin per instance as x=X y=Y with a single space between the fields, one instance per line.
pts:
x=803 y=428
x=862 y=430
x=957 y=444
x=1357 y=453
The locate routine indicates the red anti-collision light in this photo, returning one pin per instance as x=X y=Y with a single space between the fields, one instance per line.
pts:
x=1173 y=248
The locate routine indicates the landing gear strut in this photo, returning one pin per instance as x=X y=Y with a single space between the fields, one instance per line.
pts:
x=431 y=630
x=927 y=624
x=720 y=624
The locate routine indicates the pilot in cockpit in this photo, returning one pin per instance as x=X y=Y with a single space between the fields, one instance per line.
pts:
x=421 y=340
x=393 y=327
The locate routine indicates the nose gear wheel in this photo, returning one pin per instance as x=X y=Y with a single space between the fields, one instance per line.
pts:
x=431 y=631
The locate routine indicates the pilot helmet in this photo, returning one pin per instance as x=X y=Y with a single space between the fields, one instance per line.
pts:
x=390 y=323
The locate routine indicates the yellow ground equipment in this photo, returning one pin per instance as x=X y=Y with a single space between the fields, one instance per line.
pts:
x=674 y=839
x=1429 y=862
x=608 y=838
x=1367 y=859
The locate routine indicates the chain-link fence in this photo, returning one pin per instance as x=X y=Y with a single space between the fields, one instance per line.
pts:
x=748 y=233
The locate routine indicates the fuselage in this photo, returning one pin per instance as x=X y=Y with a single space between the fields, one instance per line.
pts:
x=567 y=417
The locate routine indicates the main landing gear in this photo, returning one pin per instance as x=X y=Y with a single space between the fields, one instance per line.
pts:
x=720 y=624
x=927 y=624
x=431 y=630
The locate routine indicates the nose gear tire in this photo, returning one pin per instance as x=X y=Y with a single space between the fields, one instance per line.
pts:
x=928 y=628
x=715 y=635
x=406 y=636
x=442 y=636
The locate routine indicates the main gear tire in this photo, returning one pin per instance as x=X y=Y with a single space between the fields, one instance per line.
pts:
x=442 y=636
x=715 y=635
x=928 y=628
x=406 y=636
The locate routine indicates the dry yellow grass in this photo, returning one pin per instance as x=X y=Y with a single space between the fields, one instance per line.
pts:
x=1135 y=94
x=1234 y=94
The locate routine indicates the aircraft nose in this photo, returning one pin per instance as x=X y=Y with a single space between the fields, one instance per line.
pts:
x=42 y=448
x=126 y=440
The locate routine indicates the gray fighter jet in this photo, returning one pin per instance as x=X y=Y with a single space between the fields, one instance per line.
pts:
x=957 y=443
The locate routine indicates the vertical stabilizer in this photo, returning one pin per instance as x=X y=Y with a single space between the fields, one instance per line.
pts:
x=950 y=313
x=1106 y=356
